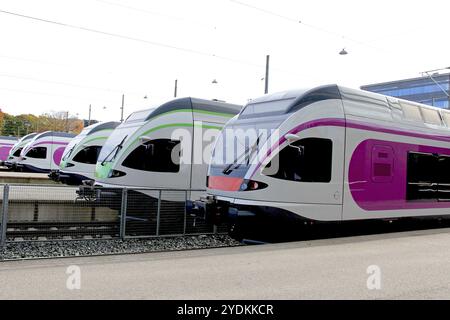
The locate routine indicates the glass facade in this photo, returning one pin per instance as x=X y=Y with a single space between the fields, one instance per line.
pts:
x=423 y=89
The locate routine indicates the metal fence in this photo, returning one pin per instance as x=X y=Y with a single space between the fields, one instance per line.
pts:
x=54 y=212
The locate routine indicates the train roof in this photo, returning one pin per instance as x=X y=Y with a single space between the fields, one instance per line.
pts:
x=54 y=134
x=363 y=103
x=102 y=126
x=8 y=138
x=29 y=136
x=197 y=104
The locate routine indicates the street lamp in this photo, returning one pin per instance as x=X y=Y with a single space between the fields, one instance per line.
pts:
x=343 y=52
x=90 y=112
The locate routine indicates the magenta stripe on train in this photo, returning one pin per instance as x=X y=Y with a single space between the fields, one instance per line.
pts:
x=375 y=192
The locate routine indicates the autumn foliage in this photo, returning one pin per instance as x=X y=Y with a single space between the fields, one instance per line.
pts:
x=26 y=123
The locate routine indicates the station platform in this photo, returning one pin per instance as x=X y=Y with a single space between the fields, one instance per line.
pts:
x=8 y=177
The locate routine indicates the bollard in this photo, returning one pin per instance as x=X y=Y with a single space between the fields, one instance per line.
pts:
x=123 y=213
x=4 y=215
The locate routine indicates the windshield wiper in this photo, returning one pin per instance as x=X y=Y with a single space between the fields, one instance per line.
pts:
x=116 y=149
x=230 y=168
x=69 y=153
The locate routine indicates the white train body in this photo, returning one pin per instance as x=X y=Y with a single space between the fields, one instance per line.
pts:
x=343 y=155
x=15 y=151
x=81 y=154
x=44 y=152
x=138 y=154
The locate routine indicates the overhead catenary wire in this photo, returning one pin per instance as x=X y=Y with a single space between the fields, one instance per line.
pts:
x=302 y=23
x=157 y=14
x=106 y=33
x=64 y=83
x=152 y=43
x=54 y=95
x=126 y=37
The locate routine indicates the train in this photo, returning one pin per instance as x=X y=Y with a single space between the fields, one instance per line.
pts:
x=329 y=154
x=43 y=152
x=80 y=156
x=155 y=148
x=15 y=151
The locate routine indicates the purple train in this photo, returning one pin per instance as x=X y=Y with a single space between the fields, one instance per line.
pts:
x=331 y=154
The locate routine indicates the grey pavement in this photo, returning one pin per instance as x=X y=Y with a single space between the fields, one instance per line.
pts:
x=411 y=265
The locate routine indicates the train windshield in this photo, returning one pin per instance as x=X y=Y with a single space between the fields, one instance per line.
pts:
x=139 y=115
x=74 y=142
x=239 y=142
x=117 y=137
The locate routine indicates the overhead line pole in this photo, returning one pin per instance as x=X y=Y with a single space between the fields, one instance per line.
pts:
x=176 y=88
x=440 y=87
x=121 y=108
x=89 y=121
x=266 y=87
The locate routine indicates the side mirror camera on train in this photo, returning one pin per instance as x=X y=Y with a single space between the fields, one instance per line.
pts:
x=144 y=139
x=291 y=137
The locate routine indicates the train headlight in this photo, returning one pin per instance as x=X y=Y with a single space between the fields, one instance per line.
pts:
x=69 y=164
x=116 y=174
x=251 y=185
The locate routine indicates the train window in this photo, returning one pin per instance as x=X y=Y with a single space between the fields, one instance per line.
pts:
x=411 y=112
x=138 y=115
x=306 y=160
x=421 y=176
x=443 y=178
x=431 y=116
x=37 y=153
x=17 y=152
x=446 y=117
x=88 y=155
x=159 y=155
x=321 y=94
x=266 y=108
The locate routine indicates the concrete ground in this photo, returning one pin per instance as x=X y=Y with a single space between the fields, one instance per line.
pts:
x=408 y=265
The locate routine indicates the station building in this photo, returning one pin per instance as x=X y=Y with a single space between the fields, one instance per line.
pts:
x=421 y=89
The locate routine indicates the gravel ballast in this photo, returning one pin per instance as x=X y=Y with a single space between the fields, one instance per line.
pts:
x=57 y=249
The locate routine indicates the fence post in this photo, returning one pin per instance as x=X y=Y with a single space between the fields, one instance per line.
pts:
x=158 y=213
x=185 y=212
x=123 y=213
x=4 y=214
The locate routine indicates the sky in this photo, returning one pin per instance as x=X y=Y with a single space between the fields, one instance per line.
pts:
x=100 y=49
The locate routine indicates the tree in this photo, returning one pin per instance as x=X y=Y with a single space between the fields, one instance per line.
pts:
x=12 y=126
x=26 y=123
x=2 y=117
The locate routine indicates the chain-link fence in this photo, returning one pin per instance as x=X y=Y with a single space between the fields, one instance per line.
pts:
x=54 y=212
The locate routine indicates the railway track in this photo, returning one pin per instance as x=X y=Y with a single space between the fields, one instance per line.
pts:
x=61 y=230
x=36 y=230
